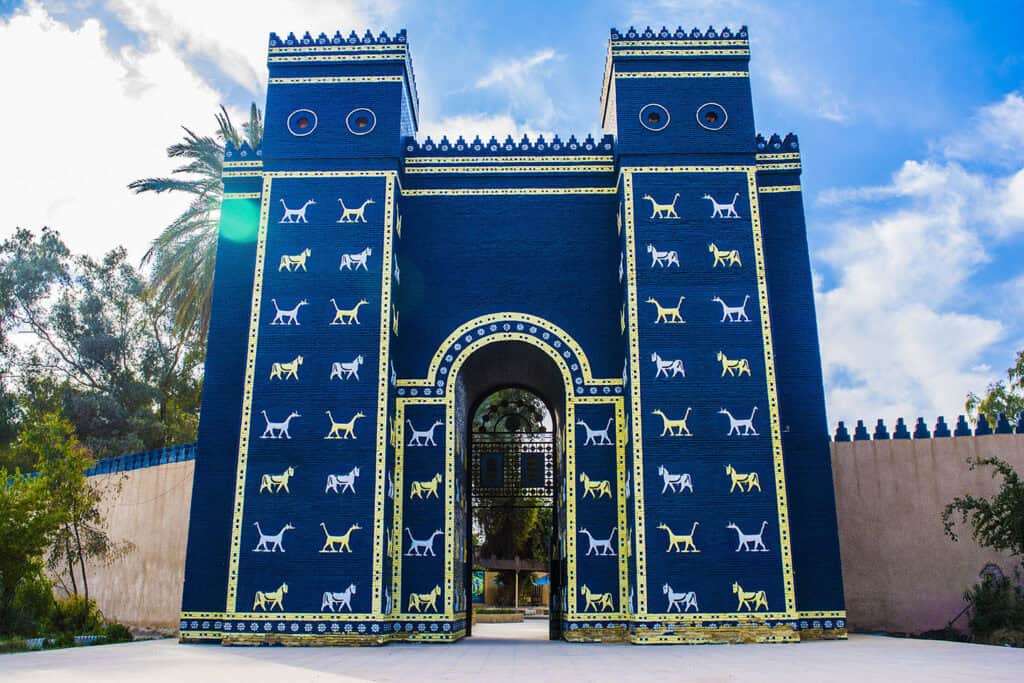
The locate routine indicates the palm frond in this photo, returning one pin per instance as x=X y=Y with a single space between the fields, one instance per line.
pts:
x=254 y=128
x=184 y=254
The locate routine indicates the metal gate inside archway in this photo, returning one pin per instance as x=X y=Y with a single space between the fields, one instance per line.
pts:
x=514 y=492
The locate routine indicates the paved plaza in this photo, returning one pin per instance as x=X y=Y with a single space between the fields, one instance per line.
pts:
x=519 y=652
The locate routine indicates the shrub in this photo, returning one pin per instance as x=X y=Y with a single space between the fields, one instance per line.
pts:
x=117 y=633
x=33 y=606
x=17 y=645
x=997 y=605
x=74 y=615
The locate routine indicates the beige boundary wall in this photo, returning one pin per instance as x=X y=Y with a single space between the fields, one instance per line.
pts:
x=143 y=588
x=900 y=572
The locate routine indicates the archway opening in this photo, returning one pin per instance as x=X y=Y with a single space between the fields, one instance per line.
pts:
x=510 y=398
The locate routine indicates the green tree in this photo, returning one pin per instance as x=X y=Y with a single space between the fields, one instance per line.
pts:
x=996 y=522
x=61 y=461
x=105 y=353
x=28 y=523
x=1004 y=396
x=184 y=254
x=514 y=526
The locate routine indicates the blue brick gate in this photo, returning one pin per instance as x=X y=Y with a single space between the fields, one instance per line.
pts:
x=653 y=286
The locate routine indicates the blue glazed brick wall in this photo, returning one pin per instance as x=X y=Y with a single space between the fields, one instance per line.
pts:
x=711 y=502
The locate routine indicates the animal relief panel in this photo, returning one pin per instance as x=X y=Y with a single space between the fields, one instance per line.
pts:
x=311 y=454
x=426 y=562
x=598 y=535
x=705 y=395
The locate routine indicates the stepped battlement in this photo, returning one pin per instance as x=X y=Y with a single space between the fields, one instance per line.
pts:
x=679 y=34
x=556 y=145
x=1004 y=425
x=307 y=40
x=243 y=153
x=775 y=144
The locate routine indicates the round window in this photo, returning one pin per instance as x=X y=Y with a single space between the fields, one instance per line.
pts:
x=361 y=121
x=712 y=116
x=302 y=122
x=654 y=117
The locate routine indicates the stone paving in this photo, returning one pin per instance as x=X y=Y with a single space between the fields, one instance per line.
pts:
x=518 y=652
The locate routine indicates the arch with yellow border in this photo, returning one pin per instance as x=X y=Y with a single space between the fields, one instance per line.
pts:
x=580 y=386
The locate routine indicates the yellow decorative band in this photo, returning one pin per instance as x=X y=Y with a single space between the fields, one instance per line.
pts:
x=242 y=174
x=336 y=58
x=682 y=74
x=314 y=80
x=240 y=195
x=243 y=164
x=689 y=169
x=681 y=43
x=779 y=167
x=682 y=52
x=838 y=614
x=505 y=160
x=510 y=318
x=738 y=617
x=505 y=191
x=304 y=616
x=200 y=635
x=777 y=156
x=329 y=174
x=512 y=169
x=338 y=48
x=772 y=189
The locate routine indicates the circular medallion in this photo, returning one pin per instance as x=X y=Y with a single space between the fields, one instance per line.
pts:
x=654 y=117
x=712 y=116
x=361 y=121
x=302 y=122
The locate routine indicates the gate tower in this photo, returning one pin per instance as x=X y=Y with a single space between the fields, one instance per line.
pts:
x=653 y=284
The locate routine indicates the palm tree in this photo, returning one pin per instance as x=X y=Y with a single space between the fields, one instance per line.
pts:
x=184 y=254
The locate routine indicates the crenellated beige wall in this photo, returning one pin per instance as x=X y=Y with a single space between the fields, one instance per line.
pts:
x=150 y=509
x=900 y=571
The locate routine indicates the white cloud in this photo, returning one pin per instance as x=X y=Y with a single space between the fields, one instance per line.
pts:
x=522 y=83
x=484 y=125
x=997 y=134
x=516 y=74
x=82 y=122
x=893 y=341
x=789 y=84
x=899 y=337
x=100 y=118
x=233 y=35
x=779 y=63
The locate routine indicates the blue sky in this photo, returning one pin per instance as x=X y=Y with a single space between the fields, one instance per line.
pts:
x=910 y=115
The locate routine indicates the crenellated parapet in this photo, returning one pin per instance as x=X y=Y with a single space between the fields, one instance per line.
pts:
x=679 y=34
x=778 y=162
x=307 y=40
x=525 y=146
x=244 y=153
x=768 y=149
x=941 y=430
x=135 y=461
x=775 y=144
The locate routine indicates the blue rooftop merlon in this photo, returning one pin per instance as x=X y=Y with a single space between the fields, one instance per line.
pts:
x=679 y=34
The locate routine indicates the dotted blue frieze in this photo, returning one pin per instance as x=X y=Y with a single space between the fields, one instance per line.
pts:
x=659 y=272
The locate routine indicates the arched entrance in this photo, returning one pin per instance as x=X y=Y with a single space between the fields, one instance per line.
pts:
x=510 y=468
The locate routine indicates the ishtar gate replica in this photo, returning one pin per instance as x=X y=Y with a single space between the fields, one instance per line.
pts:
x=653 y=287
